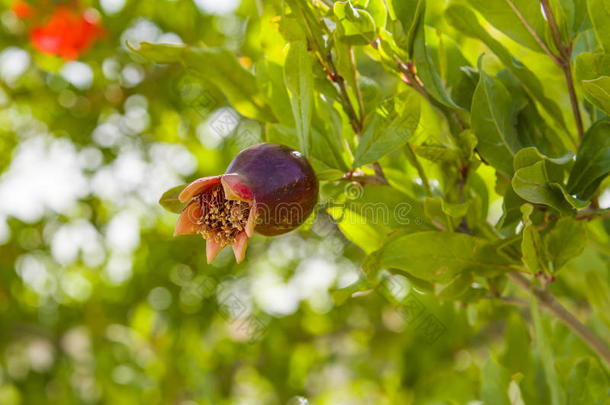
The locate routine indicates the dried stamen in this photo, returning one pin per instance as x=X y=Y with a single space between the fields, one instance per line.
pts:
x=221 y=219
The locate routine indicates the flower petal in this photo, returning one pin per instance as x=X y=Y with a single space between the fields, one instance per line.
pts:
x=198 y=187
x=187 y=221
x=212 y=248
x=251 y=223
x=235 y=189
x=239 y=246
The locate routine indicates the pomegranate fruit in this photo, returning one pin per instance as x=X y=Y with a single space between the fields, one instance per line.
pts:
x=267 y=188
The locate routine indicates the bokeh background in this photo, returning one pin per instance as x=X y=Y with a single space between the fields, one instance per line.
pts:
x=99 y=304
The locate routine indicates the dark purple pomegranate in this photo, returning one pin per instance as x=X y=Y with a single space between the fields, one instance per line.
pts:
x=267 y=188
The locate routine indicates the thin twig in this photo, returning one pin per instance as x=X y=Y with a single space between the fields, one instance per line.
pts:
x=511 y=300
x=337 y=78
x=567 y=72
x=591 y=213
x=379 y=172
x=554 y=29
x=363 y=179
x=533 y=32
x=357 y=123
x=565 y=52
x=420 y=170
x=552 y=306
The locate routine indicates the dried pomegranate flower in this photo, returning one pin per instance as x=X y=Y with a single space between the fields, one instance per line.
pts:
x=267 y=187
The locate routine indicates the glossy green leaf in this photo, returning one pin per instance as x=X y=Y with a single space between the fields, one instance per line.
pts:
x=437 y=153
x=598 y=92
x=378 y=11
x=367 y=214
x=555 y=167
x=269 y=77
x=169 y=200
x=455 y=288
x=358 y=25
x=590 y=66
x=532 y=248
x=592 y=161
x=323 y=149
x=298 y=78
x=437 y=256
x=599 y=13
x=390 y=128
x=466 y=21
x=532 y=183
x=441 y=212
x=492 y=122
x=410 y=13
x=510 y=16
x=564 y=242
x=346 y=67
x=426 y=70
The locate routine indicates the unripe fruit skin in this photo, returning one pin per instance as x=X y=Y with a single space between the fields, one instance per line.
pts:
x=282 y=183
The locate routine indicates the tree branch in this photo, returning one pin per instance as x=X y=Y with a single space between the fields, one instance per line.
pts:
x=533 y=32
x=550 y=305
x=420 y=170
x=565 y=52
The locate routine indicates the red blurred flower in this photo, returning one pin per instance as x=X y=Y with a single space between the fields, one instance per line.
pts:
x=60 y=30
x=68 y=33
x=22 y=9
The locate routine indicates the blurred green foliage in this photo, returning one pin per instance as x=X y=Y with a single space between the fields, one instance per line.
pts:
x=444 y=138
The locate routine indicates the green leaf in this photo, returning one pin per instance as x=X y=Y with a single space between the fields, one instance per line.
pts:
x=508 y=17
x=564 y=242
x=358 y=25
x=394 y=122
x=346 y=67
x=378 y=11
x=545 y=350
x=169 y=200
x=426 y=70
x=532 y=249
x=466 y=21
x=517 y=355
x=532 y=183
x=409 y=13
x=368 y=214
x=598 y=92
x=447 y=214
x=323 y=149
x=577 y=387
x=494 y=383
x=219 y=67
x=599 y=13
x=592 y=161
x=570 y=16
x=598 y=294
x=511 y=208
x=437 y=153
x=437 y=256
x=455 y=288
x=590 y=66
x=555 y=166
x=298 y=77
x=269 y=77
x=492 y=122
